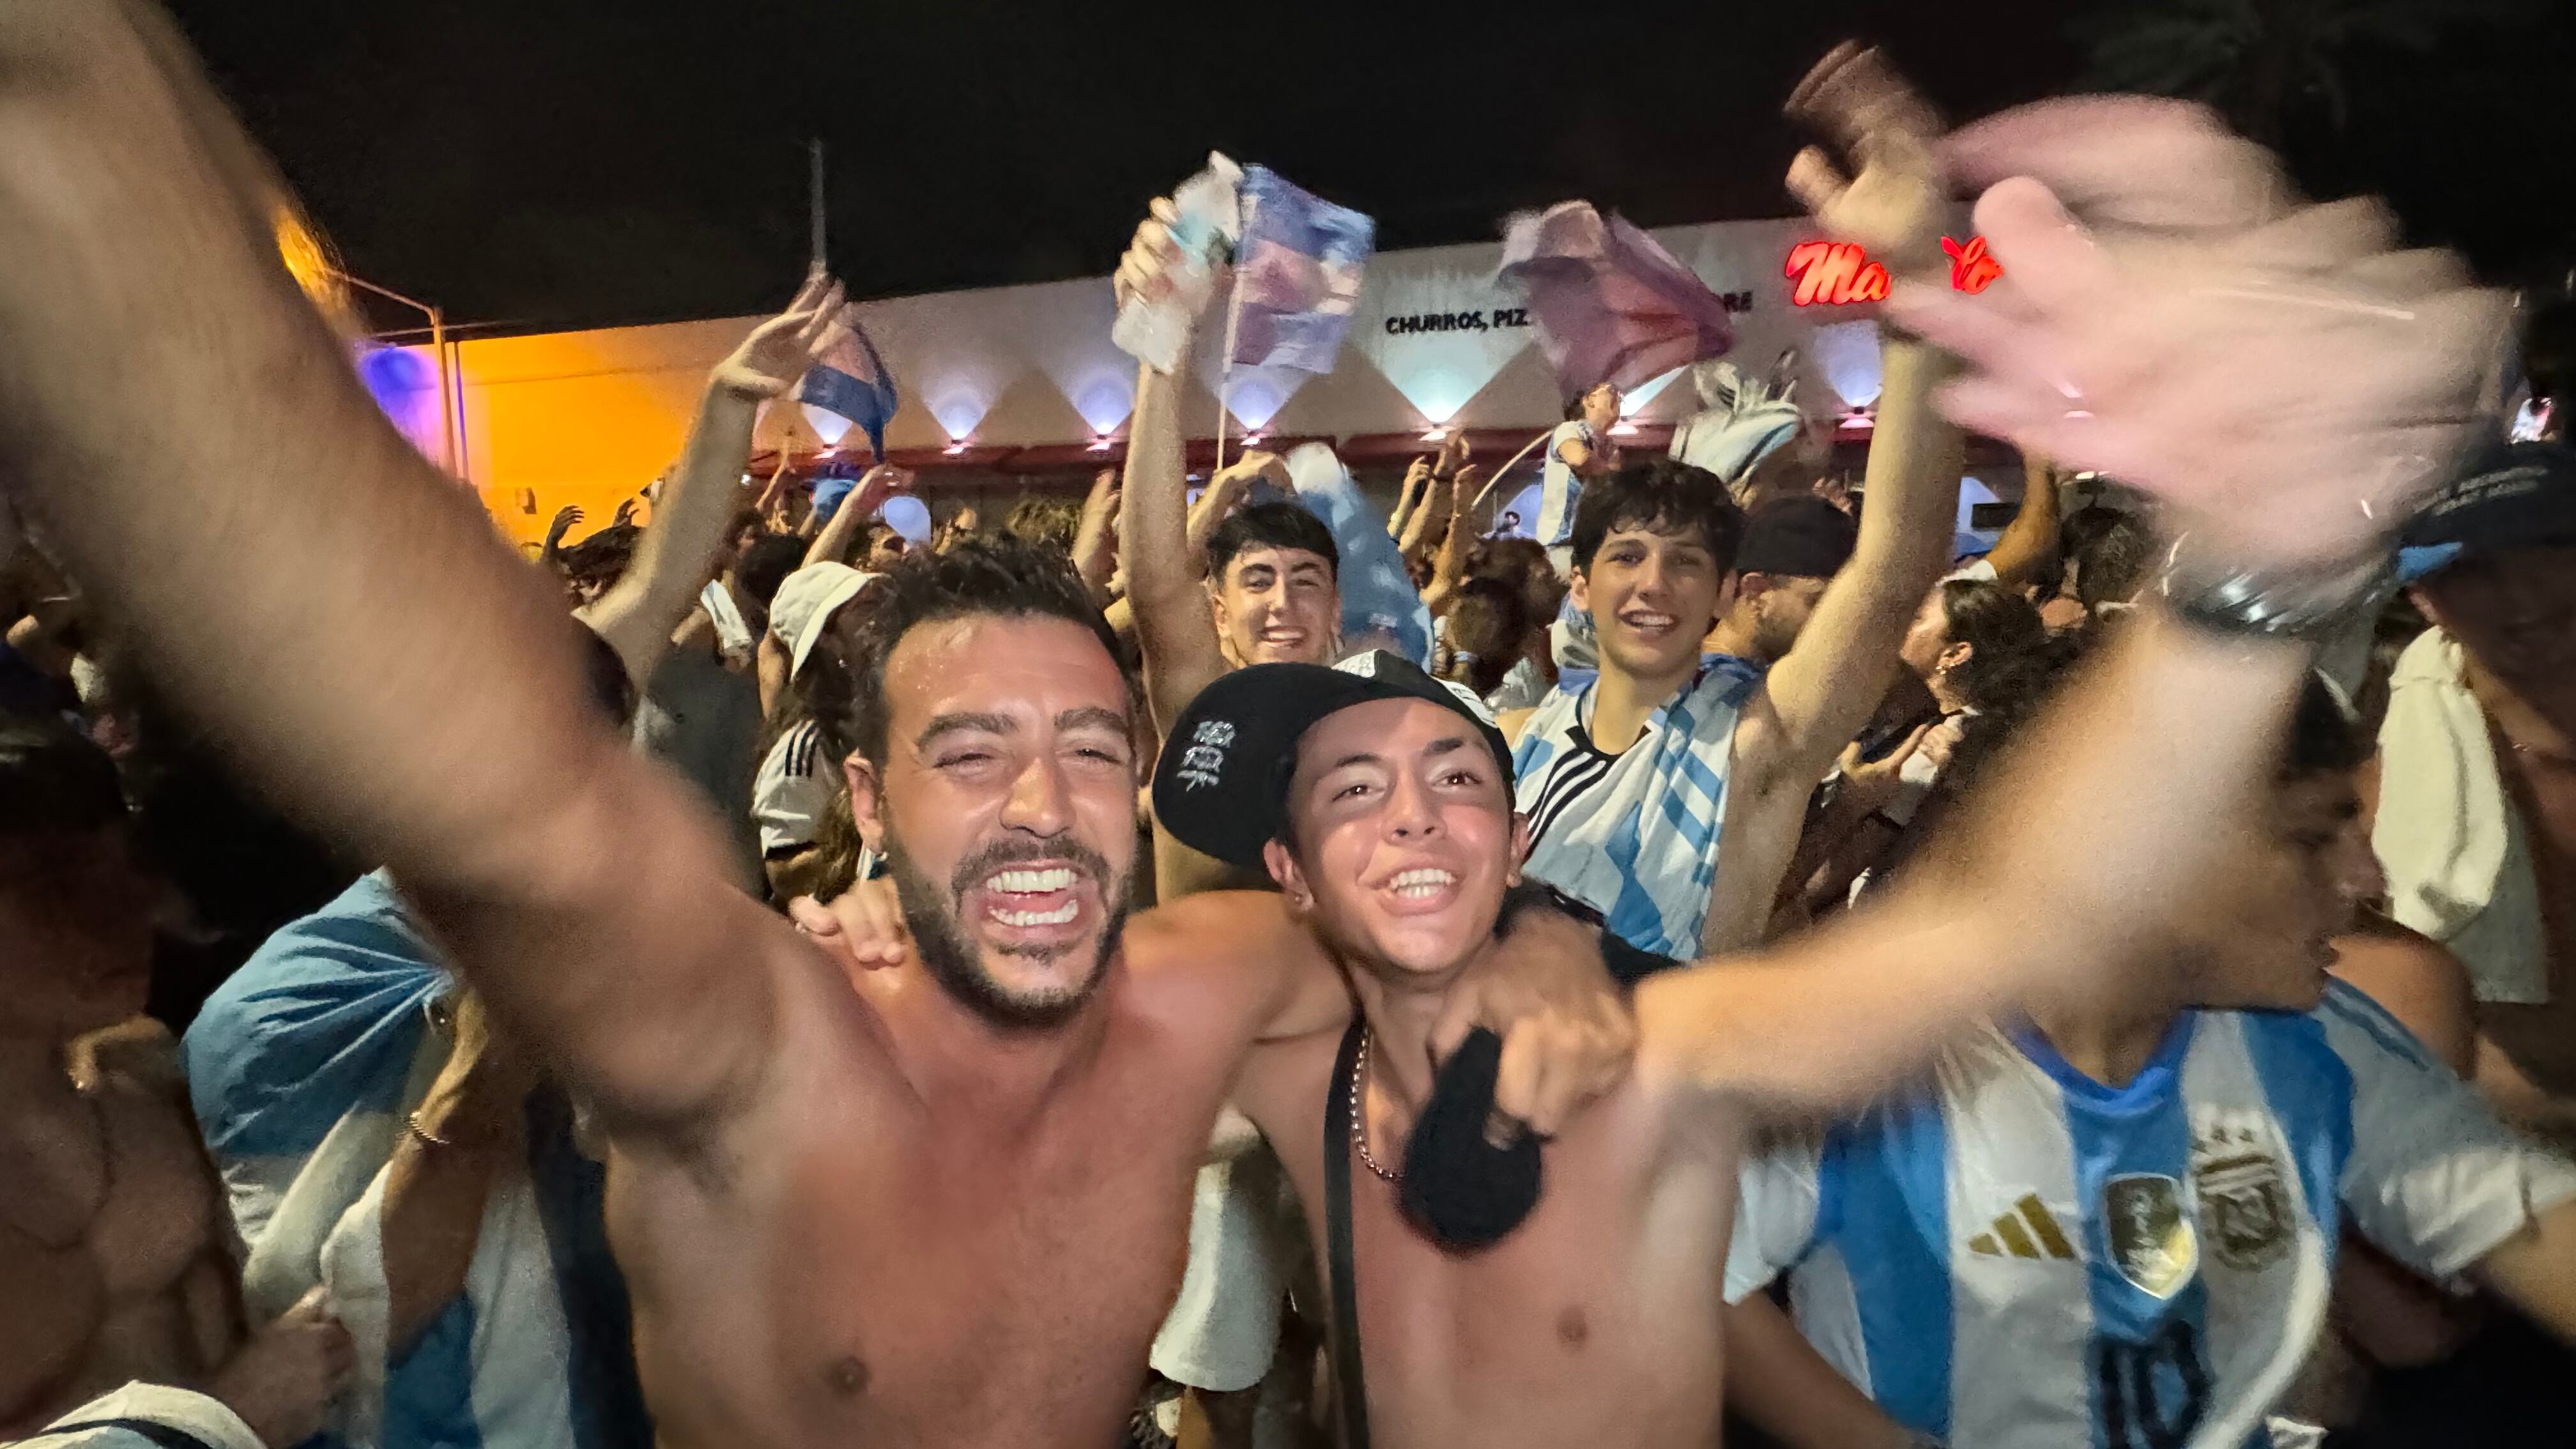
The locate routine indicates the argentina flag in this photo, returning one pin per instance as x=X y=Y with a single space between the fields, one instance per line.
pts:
x=848 y=387
x=1297 y=274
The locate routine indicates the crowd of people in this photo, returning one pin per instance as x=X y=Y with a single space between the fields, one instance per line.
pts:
x=1739 y=966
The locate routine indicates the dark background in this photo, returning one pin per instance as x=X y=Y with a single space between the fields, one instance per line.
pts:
x=552 y=163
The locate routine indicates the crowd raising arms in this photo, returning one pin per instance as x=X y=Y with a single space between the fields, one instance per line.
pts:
x=909 y=1176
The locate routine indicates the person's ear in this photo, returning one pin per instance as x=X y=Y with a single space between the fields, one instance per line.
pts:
x=2428 y=600
x=867 y=803
x=1580 y=591
x=1957 y=654
x=1520 y=848
x=1292 y=881
x=1748 y=587
x=1728 y=589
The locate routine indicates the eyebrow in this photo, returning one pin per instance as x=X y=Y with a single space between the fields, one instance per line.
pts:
x=963 y=723
x=1092 y=716
x=1432 y=750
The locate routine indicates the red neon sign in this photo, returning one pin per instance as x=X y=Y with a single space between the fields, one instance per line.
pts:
x=1837 y=273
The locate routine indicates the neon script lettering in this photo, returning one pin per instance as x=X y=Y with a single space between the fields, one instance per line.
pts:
x=1837 y=273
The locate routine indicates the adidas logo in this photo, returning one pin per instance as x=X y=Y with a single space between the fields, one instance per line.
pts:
x=2026 y=1232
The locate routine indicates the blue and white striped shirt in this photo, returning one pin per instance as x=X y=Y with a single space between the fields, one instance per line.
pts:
x=2016 y=1256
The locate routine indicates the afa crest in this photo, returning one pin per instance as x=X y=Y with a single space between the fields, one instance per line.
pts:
x=2149 y=1231
x=2242 y=1192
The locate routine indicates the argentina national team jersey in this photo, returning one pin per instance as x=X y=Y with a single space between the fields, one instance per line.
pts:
x=2014 y=1256
x=1634 y=835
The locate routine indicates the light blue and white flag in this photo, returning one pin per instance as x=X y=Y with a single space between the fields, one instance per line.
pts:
x=1297 y=274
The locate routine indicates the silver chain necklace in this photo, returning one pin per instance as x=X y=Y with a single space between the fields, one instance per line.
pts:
x=1359 y=1120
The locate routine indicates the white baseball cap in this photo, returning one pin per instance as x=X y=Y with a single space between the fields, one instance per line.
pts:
x=805 y=605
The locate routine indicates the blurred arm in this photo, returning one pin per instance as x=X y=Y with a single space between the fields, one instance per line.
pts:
x=336 y=611
x=2030 y=544
x=1173 y=629
x=2048 y=879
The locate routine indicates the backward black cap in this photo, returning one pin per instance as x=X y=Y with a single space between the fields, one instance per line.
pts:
x=1221 y=786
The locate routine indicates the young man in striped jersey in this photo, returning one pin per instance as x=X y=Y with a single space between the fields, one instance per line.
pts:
x=1669 y=793
x=2116 y=1221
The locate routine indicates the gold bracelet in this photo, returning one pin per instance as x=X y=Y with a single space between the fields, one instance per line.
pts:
x=412 y=1125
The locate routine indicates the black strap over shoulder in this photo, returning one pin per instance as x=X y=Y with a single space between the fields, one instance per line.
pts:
x=1349 y=1385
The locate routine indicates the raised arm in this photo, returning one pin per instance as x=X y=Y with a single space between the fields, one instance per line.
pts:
x=1818 y=696
x=2341 y=402
x=339 y=614
x=2030 y=543
x=2052 y=877
x=860 y=504
x=695 y=508
x=1174 y=630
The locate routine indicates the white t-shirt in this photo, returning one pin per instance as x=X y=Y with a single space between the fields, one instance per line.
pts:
x=1558 y=487
x=792 y=791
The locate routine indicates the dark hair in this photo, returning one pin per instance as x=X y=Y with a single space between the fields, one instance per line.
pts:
x=843 y=680
x=2325 y=738
x=1050 y=521
x=766 y=564
x=53 y=780
x=2007 y=643
x=1521 y=563
x=611 y=687
x=2112 y=561
x=1574 y=403
x=1665 y=495
x=604 y=555
x=1276 y=524
x=1488 y=624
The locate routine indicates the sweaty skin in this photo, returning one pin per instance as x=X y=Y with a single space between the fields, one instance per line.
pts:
x=113 y=1265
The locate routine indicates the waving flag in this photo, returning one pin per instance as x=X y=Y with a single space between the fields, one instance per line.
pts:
x=850 y=387
x=1379 y=607
x=1610 y=303
x=1297 y=274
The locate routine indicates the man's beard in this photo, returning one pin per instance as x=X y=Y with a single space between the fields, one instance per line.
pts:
x=931 y=915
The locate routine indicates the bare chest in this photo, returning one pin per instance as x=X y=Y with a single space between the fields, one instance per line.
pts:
x=113 y=1267
x=1596 y=1321
x=915 y=1280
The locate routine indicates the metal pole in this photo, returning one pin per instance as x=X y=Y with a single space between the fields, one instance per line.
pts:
x=1233 y=318
x=814 y=194
x=447 y=441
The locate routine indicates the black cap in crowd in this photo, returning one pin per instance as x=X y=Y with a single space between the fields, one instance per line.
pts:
x=1221 y=787
x=2512 y=495
x=1797 y=538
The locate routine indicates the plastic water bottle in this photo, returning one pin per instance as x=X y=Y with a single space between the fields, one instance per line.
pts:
x=1157 y=332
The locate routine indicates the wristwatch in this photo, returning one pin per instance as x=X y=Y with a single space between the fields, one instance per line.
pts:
x=2303 y=604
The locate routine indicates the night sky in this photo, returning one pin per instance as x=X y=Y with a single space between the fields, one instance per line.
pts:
x=551 y=163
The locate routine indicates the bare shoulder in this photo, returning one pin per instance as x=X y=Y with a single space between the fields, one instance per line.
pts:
x=2415 y=979
x=1223 y=942
x=1513 y=721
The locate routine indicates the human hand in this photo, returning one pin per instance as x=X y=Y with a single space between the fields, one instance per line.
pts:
x=774 y=358
x=1469 y=485
x=1870 y=785
x=1095 y=540
x=282 y=1381
x=1453 y=452
x=624 y=516
x=1834 y=491
x=1146 y=271
x=1899 y=204
x=2280 y=377
x=1567 y=1034
x=862 y=927
x=1416 y=474
x=565 y=518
